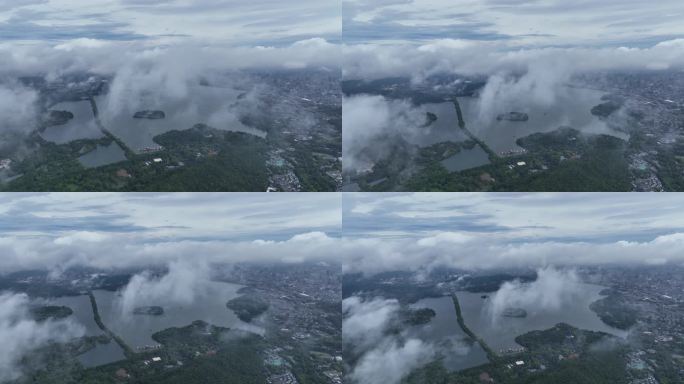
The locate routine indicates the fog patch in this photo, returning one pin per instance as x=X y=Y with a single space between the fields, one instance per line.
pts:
x=18 y=113
x=391 y=361
x=373 y=61
x=182 y=284
x=381 y=356
x=374 y=127
x=20 y=334
x=552 y=289
x=538 y=87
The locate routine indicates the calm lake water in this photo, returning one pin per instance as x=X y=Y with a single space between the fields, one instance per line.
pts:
x=83 y=314
x=466 y=159
x=207 y=105
x=500 y=333
x=445 y=128
x=82 y=126
x=444 y=331
x=102 y=354
x=573 y=109
x=137 y=330
x=103 y=155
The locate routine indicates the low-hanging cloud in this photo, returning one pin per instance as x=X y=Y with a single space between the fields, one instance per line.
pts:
x=370 y=61
x=113 y=251
x=182 y=284
x=20 y=334
x=382 y=357
x=366 y=320
x=372 y=255
x=552 y=290
x=18 y=108
x=372 y=125
x=391 y=361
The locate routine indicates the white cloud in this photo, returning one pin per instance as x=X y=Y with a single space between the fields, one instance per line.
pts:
x=365 y=321
x=382 y=357
x=20 y=334
x=185 y=281
x=391 y=361
x=58 y=231
x=553 y=289
x=368 y=61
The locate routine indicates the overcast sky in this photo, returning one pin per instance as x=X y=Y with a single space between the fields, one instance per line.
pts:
x=418 y=38
x=488 y=230
x=121 y=230
x=236 y=22
x=518 y=22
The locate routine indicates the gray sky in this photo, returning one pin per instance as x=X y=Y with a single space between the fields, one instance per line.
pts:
x=418 y=38
x=235 y=22
x=489 y=230
x=121 y=230
x=529 y=23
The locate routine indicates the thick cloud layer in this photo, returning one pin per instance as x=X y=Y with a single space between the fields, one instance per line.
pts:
x=184 y=282
x=552 y=290
x=391 y=361
x=110 y=58
x=130 y=250
x=373 y=125
x=418 y=232
x=18 y=109
x=383 y=357
x=366 y=321
x=59 y=231
x=492 y=252
x=20 y=334
x=470 y=58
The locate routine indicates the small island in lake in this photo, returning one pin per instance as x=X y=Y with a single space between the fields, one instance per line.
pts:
x=150 y=311
x=429 y=119
x=58 y=117
x=514 y=312
x=50 y=312
x=513 y=116
x=152 y=115
x=419 y=316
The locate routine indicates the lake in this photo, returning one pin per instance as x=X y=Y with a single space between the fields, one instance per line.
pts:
x=213 y=106
x=83 y=314
x=572 y=108
x=466 y=159
x=445 y=128
x=82 y=126
x=103 y=155
x=444 y=331
x=137 y=330
x=500 y=333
